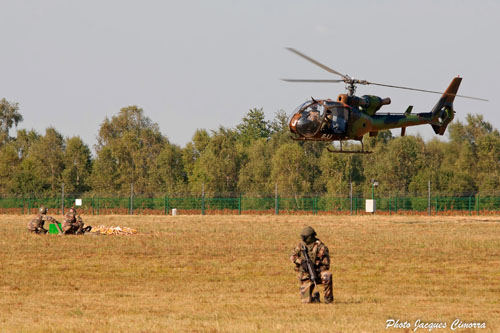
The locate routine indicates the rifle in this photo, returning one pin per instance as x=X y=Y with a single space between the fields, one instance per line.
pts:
x=309 y=265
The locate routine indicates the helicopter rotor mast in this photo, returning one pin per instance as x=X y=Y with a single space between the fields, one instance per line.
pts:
x=350 y=83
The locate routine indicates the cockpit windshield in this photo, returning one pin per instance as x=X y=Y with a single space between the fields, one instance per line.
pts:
x=297 y=109
x=309 y=123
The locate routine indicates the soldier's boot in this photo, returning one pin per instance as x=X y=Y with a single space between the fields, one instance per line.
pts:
x=306 y=288
x=326 y=280
x=87 y=228
x=315 y=298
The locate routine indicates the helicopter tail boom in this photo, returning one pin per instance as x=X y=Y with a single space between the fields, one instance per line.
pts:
x=442 y=112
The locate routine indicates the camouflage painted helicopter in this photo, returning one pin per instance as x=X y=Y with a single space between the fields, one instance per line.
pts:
x=350 y=117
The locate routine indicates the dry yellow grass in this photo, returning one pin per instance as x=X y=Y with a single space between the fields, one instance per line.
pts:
x=231 y=273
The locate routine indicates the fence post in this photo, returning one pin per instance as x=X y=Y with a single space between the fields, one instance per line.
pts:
x=437 y=204
x=202 y=198
x=478 y=202
x=470 y=201
x=131 y=198
x=168 y=204
x=396 y=204
x=429 y=199
x=389 y=205
x=276 y=207
x=239 y=205
x=350 y=196
x=62 y=198
x=92 y=203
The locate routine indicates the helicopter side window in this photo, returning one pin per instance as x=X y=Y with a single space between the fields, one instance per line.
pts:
x=339 y=118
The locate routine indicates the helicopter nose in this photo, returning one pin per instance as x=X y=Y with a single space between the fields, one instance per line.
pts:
x=293 y=122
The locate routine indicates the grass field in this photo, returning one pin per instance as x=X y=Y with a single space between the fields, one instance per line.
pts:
x=231 y=273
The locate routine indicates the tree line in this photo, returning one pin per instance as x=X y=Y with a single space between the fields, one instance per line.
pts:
x=250 y=158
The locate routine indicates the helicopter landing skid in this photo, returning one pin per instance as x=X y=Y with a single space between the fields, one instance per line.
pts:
x=362 y=151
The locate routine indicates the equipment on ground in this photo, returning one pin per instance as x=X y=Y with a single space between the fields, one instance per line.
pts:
x=103 y=230
x=55 y=228
x=87 y=229
x=351 y=117
x=58 y=226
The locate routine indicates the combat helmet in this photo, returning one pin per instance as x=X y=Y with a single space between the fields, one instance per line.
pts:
x=308 y=235
x=42 y=210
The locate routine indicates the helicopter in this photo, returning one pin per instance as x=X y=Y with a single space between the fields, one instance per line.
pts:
x=350 y=117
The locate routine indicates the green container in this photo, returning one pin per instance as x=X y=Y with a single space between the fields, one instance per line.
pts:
x=53 y=228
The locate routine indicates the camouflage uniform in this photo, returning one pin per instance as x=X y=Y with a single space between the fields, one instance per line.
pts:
x=72 y=224
x=319 y=254
x=36 y=224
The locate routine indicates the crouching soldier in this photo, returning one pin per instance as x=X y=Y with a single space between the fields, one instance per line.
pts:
x=36 y=224
x=73 y=224
x=314 y=272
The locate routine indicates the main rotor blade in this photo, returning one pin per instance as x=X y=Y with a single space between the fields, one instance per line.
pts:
x=427 y=91
x=313 y=81
x=326 y=68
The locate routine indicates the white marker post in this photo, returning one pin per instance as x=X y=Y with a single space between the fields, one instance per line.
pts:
x=370 y=206
x=78 y=202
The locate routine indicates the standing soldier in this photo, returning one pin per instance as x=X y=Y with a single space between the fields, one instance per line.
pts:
x=315 y=273
x=73 y=224
x=36 y=224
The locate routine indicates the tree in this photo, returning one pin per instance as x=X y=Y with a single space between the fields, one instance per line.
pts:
x=41 y=170
x=472 y=161
x=338 y=170
x=28 y=181
x=280 y=133
x=9 y=116
x=25 y=140
x=291 y=169
x=127 y=147
x=488 y=163
x=474 y=128
x=9 y=164
x=193 y=150
x=16 y=176
x=463 y=171
x=431 y=169
x=169 y=171
x=393 y=165
x=383 y=137
x=280 y=123
x=105 y=177
x=77 y=166
x=218 y=165
x=253 y=127
x=254 y=175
